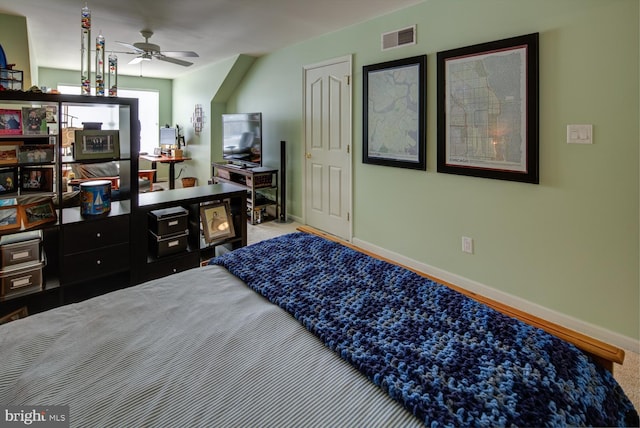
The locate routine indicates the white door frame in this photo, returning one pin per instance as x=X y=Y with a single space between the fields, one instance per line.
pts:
x=349 y=185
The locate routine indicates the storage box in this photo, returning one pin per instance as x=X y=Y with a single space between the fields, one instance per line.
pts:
x=23 y=279
x=223 y=173
x=21 y=248
x=168 y=221
x=258 y=181
x=161 y=246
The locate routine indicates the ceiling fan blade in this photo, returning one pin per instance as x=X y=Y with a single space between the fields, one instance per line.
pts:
x=180 y=54
x=174 y=60
x=130 y=46
x=137 y=60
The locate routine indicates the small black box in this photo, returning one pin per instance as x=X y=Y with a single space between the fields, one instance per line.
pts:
x=168 y=221
x=161 y=246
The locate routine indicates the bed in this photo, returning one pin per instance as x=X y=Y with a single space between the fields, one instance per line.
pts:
x=298 y=331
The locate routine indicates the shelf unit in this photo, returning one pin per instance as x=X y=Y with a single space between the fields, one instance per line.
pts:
x=84 y=254
x=148 y=267
x=260 y=183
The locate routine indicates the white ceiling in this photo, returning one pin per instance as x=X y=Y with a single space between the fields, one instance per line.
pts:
x=215 y=29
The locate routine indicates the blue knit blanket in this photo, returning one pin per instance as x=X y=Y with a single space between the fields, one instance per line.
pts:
x=448 y=359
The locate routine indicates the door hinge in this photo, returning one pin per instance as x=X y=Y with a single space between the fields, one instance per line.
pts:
x=348 y=79
x=348 y=148
x=348 y=217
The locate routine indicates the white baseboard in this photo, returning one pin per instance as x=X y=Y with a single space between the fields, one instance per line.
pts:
x=564 y=320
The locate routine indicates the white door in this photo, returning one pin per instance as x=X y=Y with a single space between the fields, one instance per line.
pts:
x=327 y=128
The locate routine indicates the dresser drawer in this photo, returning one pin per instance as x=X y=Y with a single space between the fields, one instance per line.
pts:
x=97 y=263
x=93 y=234
x=169 y=266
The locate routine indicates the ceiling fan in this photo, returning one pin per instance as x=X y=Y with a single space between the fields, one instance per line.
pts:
x=145 y=51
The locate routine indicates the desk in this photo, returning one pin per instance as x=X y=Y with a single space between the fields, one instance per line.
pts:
x=172 y=161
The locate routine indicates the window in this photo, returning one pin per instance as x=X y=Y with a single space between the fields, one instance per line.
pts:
x=148 y=112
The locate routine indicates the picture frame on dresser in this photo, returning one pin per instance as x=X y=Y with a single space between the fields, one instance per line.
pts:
x=38 y=213
x=10 y=122
x=96 y=144
x=217 y=222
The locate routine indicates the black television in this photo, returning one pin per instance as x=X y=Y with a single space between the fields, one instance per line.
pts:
x=242 y=138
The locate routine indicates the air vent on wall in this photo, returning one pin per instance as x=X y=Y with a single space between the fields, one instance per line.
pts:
x=397 y=38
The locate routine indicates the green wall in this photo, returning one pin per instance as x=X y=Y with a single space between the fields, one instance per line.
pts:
x=209 y=87
x=569 y=244
x=15 y=43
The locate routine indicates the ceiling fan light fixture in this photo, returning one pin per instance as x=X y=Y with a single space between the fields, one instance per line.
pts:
x=146 y=51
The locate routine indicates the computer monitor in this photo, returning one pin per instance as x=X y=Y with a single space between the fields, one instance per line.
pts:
x=168 y=136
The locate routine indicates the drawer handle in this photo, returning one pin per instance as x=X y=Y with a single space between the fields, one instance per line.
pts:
x=98 y=262
x=175 y=270
x=20 y=282
x=98 y=235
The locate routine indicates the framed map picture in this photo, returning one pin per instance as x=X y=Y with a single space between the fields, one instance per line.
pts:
x=394 y=110
x=488 y=110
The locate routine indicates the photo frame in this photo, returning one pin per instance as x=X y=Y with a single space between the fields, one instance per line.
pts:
x=38 y=213
x=10 y=218
x=488 y=110
x=96 y=144
x=9 y=152
x=15 y=315
x=217 y=222
x=8 y=181
x=36 y=179
x=34 y=120
x=10 y=122
x=394 y=112
x=36 y=153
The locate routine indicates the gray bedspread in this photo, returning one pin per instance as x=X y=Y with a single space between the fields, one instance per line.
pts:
x=197 y=348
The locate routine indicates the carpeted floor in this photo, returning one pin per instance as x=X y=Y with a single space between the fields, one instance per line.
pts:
x=268 y=229
x=627 y=375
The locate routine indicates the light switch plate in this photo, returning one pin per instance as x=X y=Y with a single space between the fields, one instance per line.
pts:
x=580 y=134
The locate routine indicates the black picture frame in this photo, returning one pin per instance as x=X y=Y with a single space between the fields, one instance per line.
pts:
x=488 y=110
x=36 y=179
x=394 y=112
x=8 y=181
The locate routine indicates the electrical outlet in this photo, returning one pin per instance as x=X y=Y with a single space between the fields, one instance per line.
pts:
x=467 y=245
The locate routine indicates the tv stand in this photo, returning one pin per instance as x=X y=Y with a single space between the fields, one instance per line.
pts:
x=261 y=184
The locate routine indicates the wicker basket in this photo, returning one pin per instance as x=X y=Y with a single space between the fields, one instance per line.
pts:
x=188 y=181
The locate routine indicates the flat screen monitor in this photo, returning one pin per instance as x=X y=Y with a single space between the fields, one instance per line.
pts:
x=242 y=138
x=167 y=136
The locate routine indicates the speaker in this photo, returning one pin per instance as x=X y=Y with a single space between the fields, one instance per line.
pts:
x=283 y=182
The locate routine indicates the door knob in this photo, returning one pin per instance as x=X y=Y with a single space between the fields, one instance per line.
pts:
x=308 y=155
